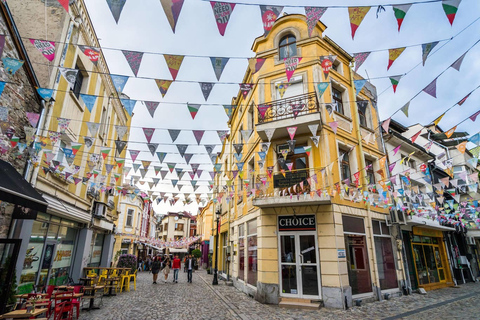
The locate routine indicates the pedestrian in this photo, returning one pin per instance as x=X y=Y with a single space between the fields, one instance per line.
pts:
x=166 y=267
x=189 y=264
x=185 y=263
x=176 y=268
x=155 y=269
x=139 y=264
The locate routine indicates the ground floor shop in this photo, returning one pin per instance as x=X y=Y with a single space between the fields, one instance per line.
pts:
x=56 y=247
x=331 y=253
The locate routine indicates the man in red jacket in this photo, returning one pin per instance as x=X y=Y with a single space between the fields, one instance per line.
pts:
x=176 y=267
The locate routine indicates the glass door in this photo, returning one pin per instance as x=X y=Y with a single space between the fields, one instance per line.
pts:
x=299 y=265
x=308 y=265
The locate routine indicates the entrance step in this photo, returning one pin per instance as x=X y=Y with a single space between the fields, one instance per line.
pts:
x=298 y=303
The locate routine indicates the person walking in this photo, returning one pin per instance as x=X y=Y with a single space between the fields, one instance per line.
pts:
x=176 y=268
x=167 y=264
x=189 y=265
x=155 y=269
x=185 y=263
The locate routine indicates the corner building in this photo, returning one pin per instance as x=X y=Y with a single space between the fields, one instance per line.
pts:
x=309 y=230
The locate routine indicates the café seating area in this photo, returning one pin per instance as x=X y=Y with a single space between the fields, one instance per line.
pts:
x=66 y=302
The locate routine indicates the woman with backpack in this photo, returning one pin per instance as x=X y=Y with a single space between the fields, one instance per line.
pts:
x=155 y=269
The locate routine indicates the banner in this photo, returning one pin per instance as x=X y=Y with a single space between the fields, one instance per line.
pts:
x=393 y=54
x=400 y=12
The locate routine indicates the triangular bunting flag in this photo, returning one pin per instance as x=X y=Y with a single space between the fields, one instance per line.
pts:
x=431 y=89
x=245 y=89
x=152 y=147
x=327 y=62
x=219 y=64
x=182 y=148
x=119 y=81
x=134 y=59
x=359 y=85
x=89 y=101
x=173 y=61
x=426 y=49
x=269 y=16
x=262 y=109
x=313 y=14
x=458 y=63
x=400 y=12
x=334 y=126
x=450 y=7
x=172 y=10
x=116 y=7
x=395 y=80
x=161 y=156
x=291 y=131
x=198 y=134
x=47 y=48
x=356 y=15
x=222 y=12
x=386 y=124
x=134 y=154
x=360 y=59
x=450 y=132
x=70 y=75
x=405 y=108
x=193 y=109
x=393 y=54
x=291 y=65
x=206 y=88
x=148 y=133
x=92 y=53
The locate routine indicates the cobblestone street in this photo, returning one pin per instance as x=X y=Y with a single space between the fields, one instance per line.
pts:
x=200 y=300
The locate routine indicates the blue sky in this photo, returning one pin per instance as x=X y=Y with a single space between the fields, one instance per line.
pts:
x=144 y=27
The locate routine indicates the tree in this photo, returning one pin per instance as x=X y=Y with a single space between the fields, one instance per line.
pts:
x=196 y=253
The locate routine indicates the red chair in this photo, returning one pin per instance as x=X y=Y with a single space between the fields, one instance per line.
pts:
x=50 y=290
x=65 y=311
x=77 y=301
x=63 y=306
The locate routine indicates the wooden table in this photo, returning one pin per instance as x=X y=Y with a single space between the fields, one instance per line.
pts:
x=25 y=295
x=111 y=283
x=92 y=290
x=19 y=314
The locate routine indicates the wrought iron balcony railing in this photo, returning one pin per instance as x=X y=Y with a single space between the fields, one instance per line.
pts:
x=289 y=107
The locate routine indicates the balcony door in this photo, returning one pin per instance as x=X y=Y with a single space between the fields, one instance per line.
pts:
x=296 y=175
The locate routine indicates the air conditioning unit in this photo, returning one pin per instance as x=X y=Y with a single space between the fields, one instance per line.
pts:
x=470 y=240
x=99 y=209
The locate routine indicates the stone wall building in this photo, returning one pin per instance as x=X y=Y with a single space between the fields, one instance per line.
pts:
x=82 y=148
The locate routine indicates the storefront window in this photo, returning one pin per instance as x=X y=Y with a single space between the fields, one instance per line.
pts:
x=225 y=249
x=31 y=265
x=427 y=255
x=252 y=252
x=241 y=253
x=384 y=254
x=96 y=249
x=357 y=257
x=63 y=256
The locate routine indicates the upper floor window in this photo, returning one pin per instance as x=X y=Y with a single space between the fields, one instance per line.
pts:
x=77 y=88
x=129 y=218
x=362 y=114
x=344 y=164
x=287 y=47
x=370 y=172
x=337 y=99
x=178 y=226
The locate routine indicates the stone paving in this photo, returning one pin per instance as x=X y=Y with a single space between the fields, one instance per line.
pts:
x=200 y=300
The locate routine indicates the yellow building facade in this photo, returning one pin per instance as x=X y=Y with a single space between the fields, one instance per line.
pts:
x=205 y=230
x=296 y=224
x=80 y=166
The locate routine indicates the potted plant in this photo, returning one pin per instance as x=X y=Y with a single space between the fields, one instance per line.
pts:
x=196 y=254
x=209 y=271
x=127 y=261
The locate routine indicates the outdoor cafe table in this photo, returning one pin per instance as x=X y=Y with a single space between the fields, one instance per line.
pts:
x=91 y=295
x=25 y=295
x=111 y=283
x=23 y=314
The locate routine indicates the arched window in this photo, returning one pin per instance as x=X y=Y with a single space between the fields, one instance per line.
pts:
x=288 y=46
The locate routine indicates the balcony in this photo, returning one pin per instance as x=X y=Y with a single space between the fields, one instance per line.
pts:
x=298 y=111
x=290 y=190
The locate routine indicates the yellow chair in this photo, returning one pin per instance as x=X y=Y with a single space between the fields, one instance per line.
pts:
x=103 y=275
x=125 y=277
x=134 y=277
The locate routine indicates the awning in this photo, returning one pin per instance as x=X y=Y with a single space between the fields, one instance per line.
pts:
x=178 y=250
x=64 y=210
x=15 y=189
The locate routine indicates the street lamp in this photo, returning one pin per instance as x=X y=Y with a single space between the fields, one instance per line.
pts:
x=215 y=274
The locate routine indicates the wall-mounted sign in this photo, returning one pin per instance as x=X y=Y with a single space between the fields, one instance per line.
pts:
x=341 y=254
x=24 y=213
x=296 y=223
